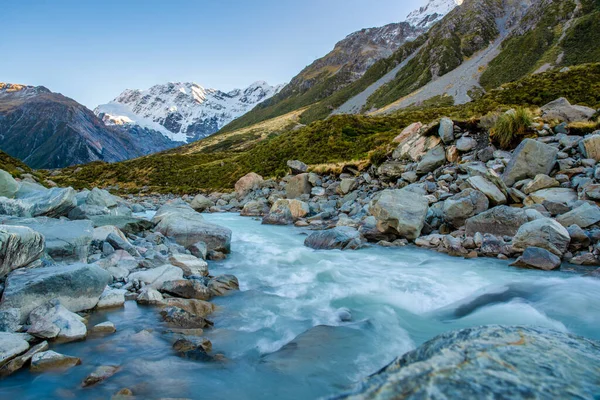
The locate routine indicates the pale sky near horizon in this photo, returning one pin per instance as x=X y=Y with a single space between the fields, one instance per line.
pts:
x=93 y=50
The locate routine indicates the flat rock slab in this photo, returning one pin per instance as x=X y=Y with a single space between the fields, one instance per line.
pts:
x=498 y=361
x=11 y=345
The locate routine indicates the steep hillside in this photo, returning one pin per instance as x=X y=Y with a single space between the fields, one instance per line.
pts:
x=340 y=139
x=346 y=63
x=183 y=112
x=48 y=130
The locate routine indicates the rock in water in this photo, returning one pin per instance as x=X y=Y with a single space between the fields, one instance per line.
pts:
x=11 y=345
x=53 y=321
x=538 y=258
x=341 y=238
x=400 y=212
x=545 y=233
x=19 y=246
x=156 y=277
x=223 y=284
x=500 y=361
x=100 y=374
x=529 y=159
x=18 y=362
x=49 y=360
x=78 y=287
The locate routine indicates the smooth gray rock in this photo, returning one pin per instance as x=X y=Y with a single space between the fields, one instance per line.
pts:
x=19 y=246
x=501 y=362
x=11 y=345
x=446 y=130
x=400 y=212
x=498 y=221
x=529 y=159
x=201 y=203
x=49 y=360
x=26 y=188
x=8 y=185
x=582 y=216
x=111 y=298
x=562 y=110
x=537 y=258
x=465 y=144
x=460 y=207
x=223 y=284
x=488 y=188
x=340 y=238
x=78 y=287
x=189 y=264
x=102 y=198
x=254 y=208
x=297 y=167
x=54 y=203
x=155 y=277
x=53 y=321
x=433 y=159
x=545 y=233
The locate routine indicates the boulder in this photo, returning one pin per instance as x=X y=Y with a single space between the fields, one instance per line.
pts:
x=26 y=188
x=545 y=233
x=120 y=242
x=102 y=198
x=65 y=240
x=248 y=183
x=195 y=348
x=590 y=147
x=104 y=328
x=223 y=284
x=100 y=374
x=179 y=318
x=446 y=130
x=199 y=250
x=201 y=203
x=297 y=186
x=347 y=185
x=392 y=169
x=254 y=208
x=156 y=277
x=562 y=110
x=11 y=345
x=498 y=221
x=503 y=362
x=400 y=212
x=460 y=207
x=554 y=195
x=538 y=258
x=285 y=212
x=101 y=233
x=486 y=187
x=297 y=167
x=540 y=182
x=18 y=362
x=126 y=224
x=583 y=216
x=187 y=227
x=111 y=298
x=414 y=147
x=53 y=321
x=433 y=159
x=191 y=265
x=465 y=144
x=54 y=203
x=186 y=289
x=8 y=185
x=78 y=287
x=149 y=296
x=408 y=132
x=193 y=306
x=19 y=246
x=51 y=360
x=340 y=238
x=529 y=159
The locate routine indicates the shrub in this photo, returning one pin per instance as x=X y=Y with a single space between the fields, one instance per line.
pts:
x=511 y=127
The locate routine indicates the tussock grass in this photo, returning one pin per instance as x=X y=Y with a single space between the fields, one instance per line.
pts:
x=511 y=127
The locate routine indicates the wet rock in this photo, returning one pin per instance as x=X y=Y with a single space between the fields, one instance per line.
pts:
x=77 y=286
x=19 y=246
x=223 y=284
x=460 y=207
x=254 y=208
x=8 y=185
x=562 y=110
x=187 y=227
x=149 y=296
x=100 y=374
x=285 y=212
x=510 y=362
x=545 y=233
x=201 y=203
x=156 y=277
x=191 y=265
x=193 y=306
x=18 y=362
x=104 y=328
x=400 y=212
x=179 y=318
x=187 y=289
x=297 y=186
x=11 y=345
x=583 y=216
x=538 y=258
x=51 y=360
x=529 y=159
x=193 y=348
x=433 y=159
x=53 y=321
x=199 y=250
x=499 y=221
x=111 y=298
x=340 y=238
x=585 y=259
x=247 y=183
x=486 y=187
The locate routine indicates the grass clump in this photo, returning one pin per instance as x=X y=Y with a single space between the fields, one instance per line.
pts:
x=511 y=127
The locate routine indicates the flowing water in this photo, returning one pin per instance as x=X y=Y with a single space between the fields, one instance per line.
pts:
x=398 y=298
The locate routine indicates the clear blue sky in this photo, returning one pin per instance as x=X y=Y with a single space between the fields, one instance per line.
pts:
x=91 y=50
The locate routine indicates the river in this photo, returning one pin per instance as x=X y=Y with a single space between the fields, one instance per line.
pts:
x=397 y=297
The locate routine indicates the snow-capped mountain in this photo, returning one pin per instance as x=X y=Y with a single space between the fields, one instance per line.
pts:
x=183 y=112
x=431 y=12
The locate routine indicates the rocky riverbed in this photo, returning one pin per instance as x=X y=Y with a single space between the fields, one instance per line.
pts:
x=66 y=257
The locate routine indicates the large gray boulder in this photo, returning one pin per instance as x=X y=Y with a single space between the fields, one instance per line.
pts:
x=11 y=345
x=285 y=212
x=339 y=238
x=562 y=110
x=78 y=287
x=545 y=233
x=52 y=320
x=583 y=216
x=498 y=221
x=400 y=212
x=433 y=159
x=201 y=203
x=156 y=277
x=102 y=198
x=460 y=207
x=297 y=185
x=180 y=222
x=8 y=185
x=54 y=203
x=65 y=240
x=538 y=258
x=19 y=246
x=529 y=159
x=501 y=362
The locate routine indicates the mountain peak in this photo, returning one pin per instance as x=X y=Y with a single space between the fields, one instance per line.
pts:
x=431 y=12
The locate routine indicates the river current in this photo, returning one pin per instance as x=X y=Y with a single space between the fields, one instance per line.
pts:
x=308 y=324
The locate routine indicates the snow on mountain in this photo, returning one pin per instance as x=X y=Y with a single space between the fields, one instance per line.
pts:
x=185 y=111
x=432 y=12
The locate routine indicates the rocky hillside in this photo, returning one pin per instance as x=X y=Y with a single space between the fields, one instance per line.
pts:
x=347 y=62
x=183 y=112
x=48 y=130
